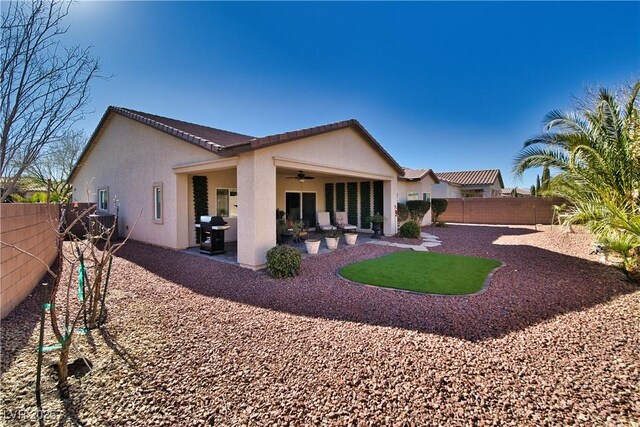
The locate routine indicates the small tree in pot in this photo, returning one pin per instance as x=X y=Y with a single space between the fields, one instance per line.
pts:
x=376 y=222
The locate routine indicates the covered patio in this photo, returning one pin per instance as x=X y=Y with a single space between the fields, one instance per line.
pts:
x=248 y=201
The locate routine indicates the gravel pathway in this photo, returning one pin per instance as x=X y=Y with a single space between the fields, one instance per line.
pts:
x=554 y=340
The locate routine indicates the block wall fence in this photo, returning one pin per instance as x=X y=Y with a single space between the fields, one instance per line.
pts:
x=501 y=210
x=28 y=227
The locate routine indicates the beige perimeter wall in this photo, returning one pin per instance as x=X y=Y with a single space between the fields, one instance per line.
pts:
x=29 y=227
x=501 y=210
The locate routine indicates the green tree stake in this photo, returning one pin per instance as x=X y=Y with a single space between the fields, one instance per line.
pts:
x=104 y=293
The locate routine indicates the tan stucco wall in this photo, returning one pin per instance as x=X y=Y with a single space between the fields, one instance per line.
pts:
x=30 y=227
x=424 y=186
x=284 y=185
x=344 y=150
x=128 y=157
x=445 y=190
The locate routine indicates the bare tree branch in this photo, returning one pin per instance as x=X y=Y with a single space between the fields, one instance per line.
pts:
x=44 y=86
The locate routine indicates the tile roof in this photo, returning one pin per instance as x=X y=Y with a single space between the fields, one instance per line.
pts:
x=225 y=143
x=522 y=191
x=419 y=174
x=216 y=138
x=477 y=177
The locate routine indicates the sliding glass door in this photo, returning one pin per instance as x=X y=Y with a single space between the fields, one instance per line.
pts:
x=301 y=205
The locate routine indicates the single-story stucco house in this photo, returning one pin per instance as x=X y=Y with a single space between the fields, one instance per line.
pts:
x=476 y=183
x=152 y=163
x=515 y=192
x=416 y=184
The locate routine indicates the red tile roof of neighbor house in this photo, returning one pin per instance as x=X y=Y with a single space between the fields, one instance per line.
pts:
x=419 y=174
x=478 y=177
x=226 y=143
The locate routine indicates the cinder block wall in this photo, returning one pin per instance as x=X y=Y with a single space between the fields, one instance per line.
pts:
x=29 y=227
x=501 y=210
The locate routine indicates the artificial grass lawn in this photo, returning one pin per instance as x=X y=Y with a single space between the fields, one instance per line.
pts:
x=427 y=272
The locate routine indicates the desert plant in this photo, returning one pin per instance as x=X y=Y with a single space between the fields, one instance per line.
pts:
x=332 y=234
x=596 y=150
x=83 y=264
x=283 y=261
x=418 y=209
x=410 y=229
x=439 y=206
x=403 y=212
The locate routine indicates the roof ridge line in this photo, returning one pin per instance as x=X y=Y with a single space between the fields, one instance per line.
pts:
x=165 y=127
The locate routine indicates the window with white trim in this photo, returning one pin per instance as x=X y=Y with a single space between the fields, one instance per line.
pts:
x=413 y=196
x=227 y=202
x=157 y=202
x=103 y=199
x=426 y=197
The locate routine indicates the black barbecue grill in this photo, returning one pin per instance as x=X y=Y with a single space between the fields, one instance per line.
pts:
x=212 y=234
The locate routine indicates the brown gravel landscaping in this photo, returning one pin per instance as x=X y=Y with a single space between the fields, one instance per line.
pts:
x=553 y=341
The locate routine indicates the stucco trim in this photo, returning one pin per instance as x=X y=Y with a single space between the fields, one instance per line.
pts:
x=325 y=168
x=210 y=165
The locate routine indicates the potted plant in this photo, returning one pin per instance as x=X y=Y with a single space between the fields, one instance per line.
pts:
x=351 y=238
x=376 y=222
x=332 y=237
x=313 y=245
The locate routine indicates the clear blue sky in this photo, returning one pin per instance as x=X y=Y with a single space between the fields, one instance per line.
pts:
x=447 y=86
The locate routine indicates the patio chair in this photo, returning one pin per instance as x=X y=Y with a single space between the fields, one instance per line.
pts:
x=324 y=222
x=343 y=223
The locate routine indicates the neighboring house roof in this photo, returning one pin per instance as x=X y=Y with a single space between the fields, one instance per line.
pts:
x=477 y=177
x=419 y=174
x=507 y=191
x=23 y=184
x=225 y=143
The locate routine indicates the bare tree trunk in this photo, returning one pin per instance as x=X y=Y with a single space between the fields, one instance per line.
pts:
x=95 y=297
x=63 y=369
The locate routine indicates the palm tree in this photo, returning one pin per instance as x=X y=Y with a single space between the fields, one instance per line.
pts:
x=596 y=151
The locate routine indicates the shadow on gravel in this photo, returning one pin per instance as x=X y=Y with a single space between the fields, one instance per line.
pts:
x=534 y=285
x=126 y=357
x=17 y=328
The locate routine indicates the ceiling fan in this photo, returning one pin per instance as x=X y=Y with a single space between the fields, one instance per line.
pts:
x=301 y=177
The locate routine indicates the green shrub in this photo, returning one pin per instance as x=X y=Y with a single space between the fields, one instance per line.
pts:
x=439 y=206
x=410 y=229
x=440 y=224
x=377 y=218
x=283 y=261
x=403 y=212
x=418 y=209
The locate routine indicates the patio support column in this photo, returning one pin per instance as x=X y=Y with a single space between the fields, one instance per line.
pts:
x=182 y=215
x=390 y=197
x=256 y=183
